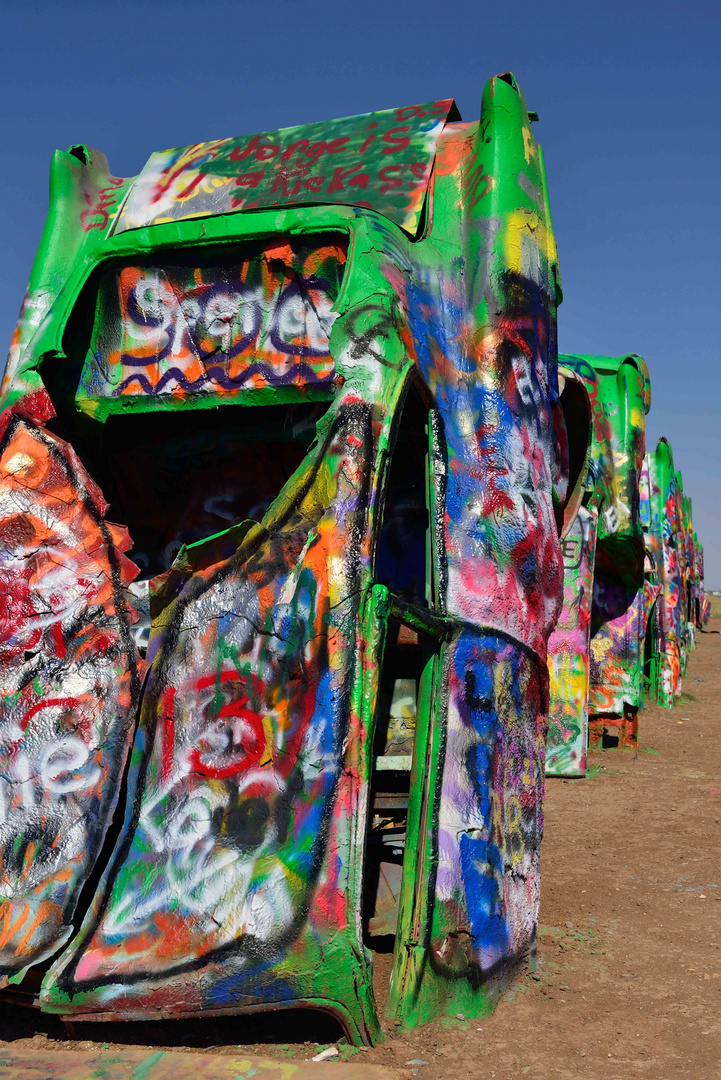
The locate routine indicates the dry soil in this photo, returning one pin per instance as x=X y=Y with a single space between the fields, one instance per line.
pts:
x=628 y=981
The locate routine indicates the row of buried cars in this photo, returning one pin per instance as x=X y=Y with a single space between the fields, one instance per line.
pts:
x=298 y=507
x=633 y=574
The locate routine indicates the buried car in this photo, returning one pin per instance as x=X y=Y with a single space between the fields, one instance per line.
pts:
x=596 y=651
x=306 y=380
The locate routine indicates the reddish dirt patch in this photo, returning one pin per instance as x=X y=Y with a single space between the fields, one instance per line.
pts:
x=629 y=970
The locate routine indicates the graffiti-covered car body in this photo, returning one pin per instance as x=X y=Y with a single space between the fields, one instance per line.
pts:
x=599 y=673
x=700 y=604
x=682 y=607
x=687 y=571
x=346 y=581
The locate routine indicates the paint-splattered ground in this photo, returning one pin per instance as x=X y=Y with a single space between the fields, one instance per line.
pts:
x=629 y=976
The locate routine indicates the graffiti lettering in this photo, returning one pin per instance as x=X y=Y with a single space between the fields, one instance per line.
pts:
x=331 y=162
x=169 y=330
x=97 y=215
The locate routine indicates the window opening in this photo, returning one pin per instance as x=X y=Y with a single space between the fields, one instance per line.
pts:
x=175 y=478
x=218 y=324
x=151 y=346
x=403 y=546
x=178 y=478
x=404 y=564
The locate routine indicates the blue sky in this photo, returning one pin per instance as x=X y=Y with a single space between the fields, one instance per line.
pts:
x=629 y=96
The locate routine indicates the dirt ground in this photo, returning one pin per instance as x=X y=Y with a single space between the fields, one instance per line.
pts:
x=628 y=981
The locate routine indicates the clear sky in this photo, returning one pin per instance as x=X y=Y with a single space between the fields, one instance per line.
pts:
x=629 y=96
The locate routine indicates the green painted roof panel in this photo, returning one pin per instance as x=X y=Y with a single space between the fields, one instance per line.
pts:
x=380 y=160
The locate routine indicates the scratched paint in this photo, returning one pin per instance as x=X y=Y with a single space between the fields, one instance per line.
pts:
x=367 y=336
